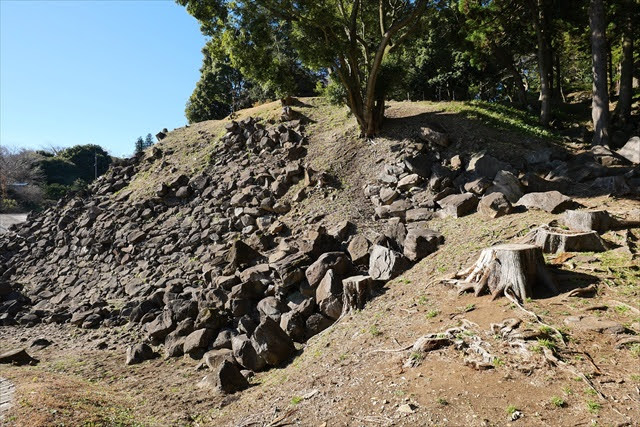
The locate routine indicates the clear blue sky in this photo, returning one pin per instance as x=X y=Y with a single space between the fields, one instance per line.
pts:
x=102 y=72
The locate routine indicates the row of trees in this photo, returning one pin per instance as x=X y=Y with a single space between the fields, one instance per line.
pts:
x=143 y=144
x=28 y=177
x=528 y=52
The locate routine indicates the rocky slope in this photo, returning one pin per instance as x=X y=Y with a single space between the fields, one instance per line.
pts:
x=237 y=263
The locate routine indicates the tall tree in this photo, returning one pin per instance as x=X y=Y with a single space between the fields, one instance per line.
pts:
x=139 y=146
x=497 y=28
x=623 y=108
x=600 y=101
x=541 y=20
x=148 y=141
x=351 y=38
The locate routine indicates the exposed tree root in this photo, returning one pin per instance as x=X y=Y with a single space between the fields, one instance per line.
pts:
x=518 y=267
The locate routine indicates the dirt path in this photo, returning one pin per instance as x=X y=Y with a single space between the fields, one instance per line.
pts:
x=7 y=220
x=6 y=394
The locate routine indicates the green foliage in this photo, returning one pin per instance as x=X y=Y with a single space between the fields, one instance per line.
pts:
x=558 y=402
x=593 y=406
x=432 y=313
x=143 y=144
x=72 y=169
x=511 y=409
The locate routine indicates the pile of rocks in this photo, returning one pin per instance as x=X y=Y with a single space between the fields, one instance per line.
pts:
x=205 y=267
x=429 y=180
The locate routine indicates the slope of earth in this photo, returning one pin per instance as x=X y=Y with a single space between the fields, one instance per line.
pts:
x=362 y=371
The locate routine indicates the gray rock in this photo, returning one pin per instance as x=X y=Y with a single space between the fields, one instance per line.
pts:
x=336 y=261
x=272 y=307
x=227 y=377
x=385 y=264
x=631 y=150
x=272 y=344
x=486 y=165
x=458 y=205
x=421 y=242
x=358 y=250
x=245 y=353
x=329 y=295
x=419 y=214
x=293 y=324
x=17 y=357
x=429 y=135
x=508 y=184
x=387 y=195
x=478 y=186
x=550 y=201
x=197 y=341
x=317 y=323
x=408 y=181
x=139 y=353
x=494 y=205
x=616 y=185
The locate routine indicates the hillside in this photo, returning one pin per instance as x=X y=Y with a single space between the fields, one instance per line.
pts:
x=212 y=208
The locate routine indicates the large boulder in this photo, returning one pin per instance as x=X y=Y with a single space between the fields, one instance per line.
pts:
x=458 y=205
x=241 y=254
x=228 y=378
x=139 y=353
x=631 y=150
x=245 y=353
x=508 y=184
x=486 y=165
x=17 y=357
x=336 y=261
x=421 y=242
x=272 y=307
x=272 y=344
x=197 y=341
x=549 y=201
x=494 y=205
x=358 y=250
x=384 y=263
x=329 y=295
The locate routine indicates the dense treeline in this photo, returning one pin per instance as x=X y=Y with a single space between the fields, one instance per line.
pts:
x=29 y=178
x=530 y=53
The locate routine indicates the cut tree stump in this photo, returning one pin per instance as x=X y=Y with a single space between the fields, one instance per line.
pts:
x=553 y=240
x=356 y=292
x=516 y=267
x=600 y=221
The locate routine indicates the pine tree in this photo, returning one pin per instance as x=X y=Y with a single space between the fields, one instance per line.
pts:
x=139 y=146
x=148 y=141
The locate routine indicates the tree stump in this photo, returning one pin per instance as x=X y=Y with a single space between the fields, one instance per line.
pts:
x=553 y=240
x=599 y=221
x=356 y=291
x=515 y=267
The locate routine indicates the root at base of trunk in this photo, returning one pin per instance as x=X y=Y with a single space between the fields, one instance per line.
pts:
x=516 y=267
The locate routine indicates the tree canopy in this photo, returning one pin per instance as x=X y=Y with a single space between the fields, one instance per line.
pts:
x=529 y=53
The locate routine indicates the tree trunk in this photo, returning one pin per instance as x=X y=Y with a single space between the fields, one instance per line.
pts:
x=515 y=267
x=600 y=102
x=623 y=109
x=539 y=23
x=506 y=59
x=558 y=86
x=356 y=292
